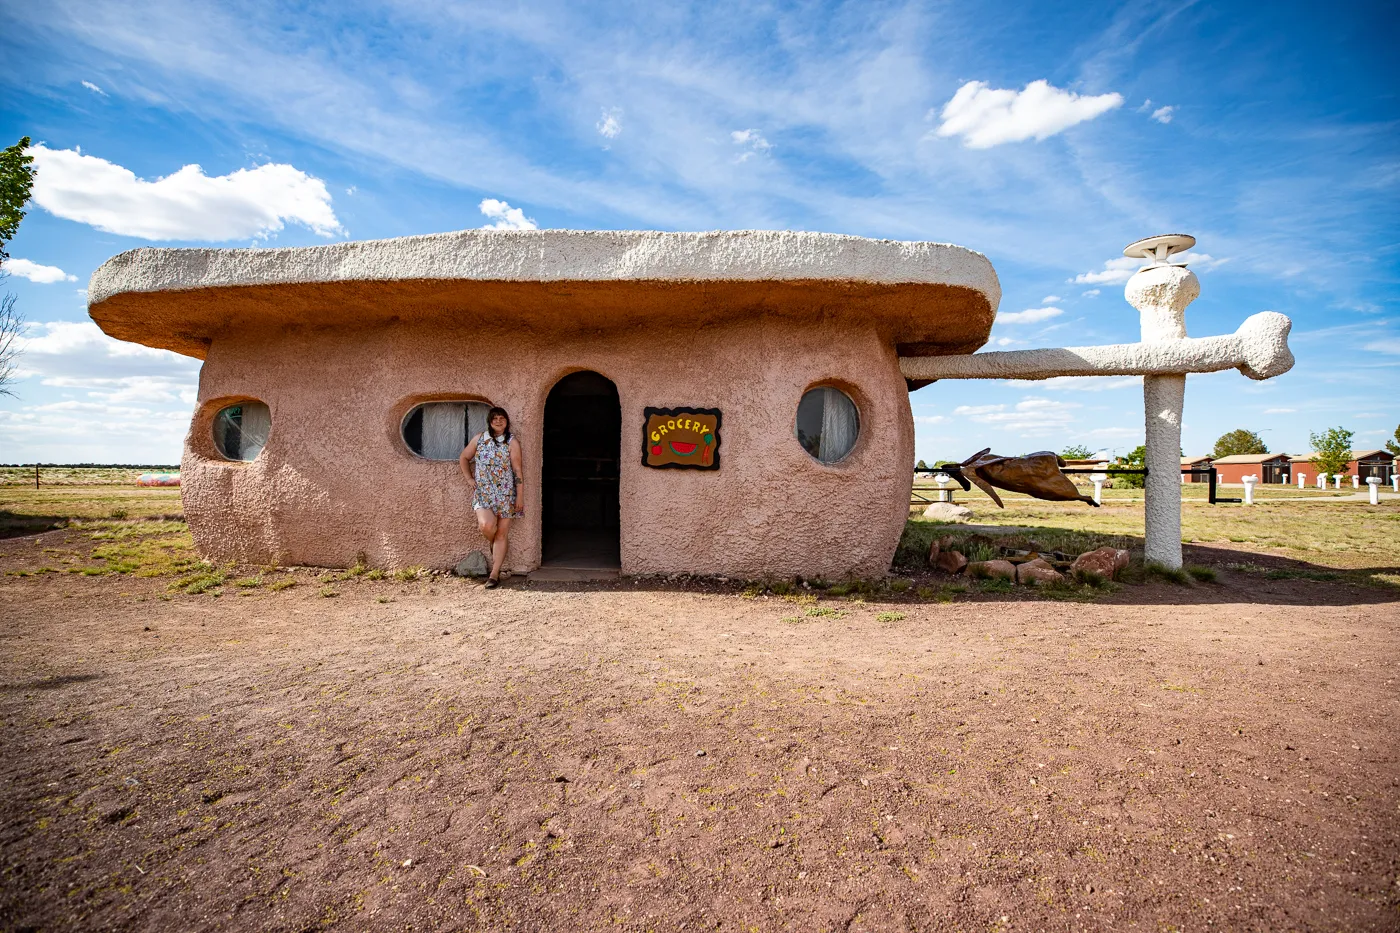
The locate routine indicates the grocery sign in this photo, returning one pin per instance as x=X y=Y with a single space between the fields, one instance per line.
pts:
x=681 y=438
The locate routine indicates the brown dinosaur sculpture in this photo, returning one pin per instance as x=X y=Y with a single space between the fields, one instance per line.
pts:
x=1036 y=474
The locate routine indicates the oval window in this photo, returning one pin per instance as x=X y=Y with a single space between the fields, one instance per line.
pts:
x=827 y=423
x=439 y=430
x=240 y=431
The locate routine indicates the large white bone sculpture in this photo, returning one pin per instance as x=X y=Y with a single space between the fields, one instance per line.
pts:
x=1160 y=291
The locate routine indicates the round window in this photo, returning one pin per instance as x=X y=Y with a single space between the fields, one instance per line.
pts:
x=827 y=423
x=240 y=431
x=439 y=430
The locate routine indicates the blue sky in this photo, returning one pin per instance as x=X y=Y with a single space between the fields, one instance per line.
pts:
x=1045 y=136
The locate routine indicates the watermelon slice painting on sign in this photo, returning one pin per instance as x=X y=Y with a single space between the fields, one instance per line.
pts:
x=681 y=438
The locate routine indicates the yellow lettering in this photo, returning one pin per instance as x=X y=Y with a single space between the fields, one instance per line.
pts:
x=662 y=430
x=687 y=423
x=655 y=437
x=671 y=425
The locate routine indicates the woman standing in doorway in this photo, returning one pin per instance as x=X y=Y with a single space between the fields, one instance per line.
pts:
x=491 y=463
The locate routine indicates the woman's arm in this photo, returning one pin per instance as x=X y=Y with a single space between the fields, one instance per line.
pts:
x=467 y=461
x=519 y=474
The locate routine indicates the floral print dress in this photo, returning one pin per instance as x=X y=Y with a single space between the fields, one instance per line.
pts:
x=495 y=480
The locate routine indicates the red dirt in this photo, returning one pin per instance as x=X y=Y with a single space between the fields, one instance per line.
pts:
x=527 y=758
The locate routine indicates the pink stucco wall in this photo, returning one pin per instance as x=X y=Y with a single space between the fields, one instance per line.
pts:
x=336 y=479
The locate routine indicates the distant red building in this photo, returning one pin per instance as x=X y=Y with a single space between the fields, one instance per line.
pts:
x=1270 y=468
x=1364 y=463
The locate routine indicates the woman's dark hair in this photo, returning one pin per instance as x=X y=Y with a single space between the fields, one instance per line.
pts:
x=491 y=416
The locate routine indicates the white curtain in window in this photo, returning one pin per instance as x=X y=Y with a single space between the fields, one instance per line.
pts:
x=839 y=425
x=256 y=426
x=444 y=430
x=476 y=419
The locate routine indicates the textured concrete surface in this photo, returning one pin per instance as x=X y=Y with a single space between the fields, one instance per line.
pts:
x=336 y=479
x=1259 y=349
x=930 y=297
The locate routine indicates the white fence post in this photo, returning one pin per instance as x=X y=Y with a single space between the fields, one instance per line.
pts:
x=1375 y=483
x=1098 y=480
x=1249 y=482
x=1322 y=481
x=1395 y=480
x=1336 y=481
x=1302 y=477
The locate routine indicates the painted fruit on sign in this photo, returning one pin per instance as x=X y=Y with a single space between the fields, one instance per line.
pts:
x=681 y=438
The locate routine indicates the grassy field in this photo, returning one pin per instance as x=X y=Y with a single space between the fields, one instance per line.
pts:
x=77 y=476
x=1329 y=529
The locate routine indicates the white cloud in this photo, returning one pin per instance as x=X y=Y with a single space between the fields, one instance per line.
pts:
x=1119 y=270
x=1032 y=416
x=611 y=123
x=1091 y=383
x=1051 y=299
x=1163 y=114
x=930 y=419
x=1028 y=316
x=34 y=272
x=187 y=205
x=1146 y=106
x=94 y=88
x=985 y=117
x=752 y=140
x=1280 y=411
x=1114 y=271
x=1391 y=345
x=78 y=350
x=1092 y=293
x=506 y=217
x=1006 y=341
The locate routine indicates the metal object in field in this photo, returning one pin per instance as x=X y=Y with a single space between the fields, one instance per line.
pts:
x=1036 y=474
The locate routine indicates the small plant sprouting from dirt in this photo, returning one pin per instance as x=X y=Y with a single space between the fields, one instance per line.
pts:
x=890 y=617
x=995 y=585
x=1201 y=574
x=328 y=592
x=1167 y=574
x=207 y=581
x=281 y=585
x=249 y=583
x=409 y=574
x=825 y=612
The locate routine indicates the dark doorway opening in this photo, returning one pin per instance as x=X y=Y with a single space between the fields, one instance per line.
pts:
x=582 y=455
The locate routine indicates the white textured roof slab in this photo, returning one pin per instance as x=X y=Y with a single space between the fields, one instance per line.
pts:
x=927 y=297
x=557 y=256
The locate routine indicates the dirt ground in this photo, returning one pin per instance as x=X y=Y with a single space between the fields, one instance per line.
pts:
x=433 y=756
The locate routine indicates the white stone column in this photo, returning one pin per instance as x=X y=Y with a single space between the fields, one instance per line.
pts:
x=1098 y=480
x=1162 y=398
x=1375 y=483
x=1301 y=478
x=1355 y=482
x=1336 y=481
x=1249 y=482
x=1395 y=480
x=1161 y=293
x=1322 y=481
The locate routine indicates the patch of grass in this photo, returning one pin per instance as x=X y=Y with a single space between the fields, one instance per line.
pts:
x=119 y=514
x=891 y=617
x=900 y=585
x=281 y=585
x=949 y=591
x=791 y=620
x=249 y=583
x=838 y=589
x=1201 y=574
x=408 y=574
x=1167 y=574
x=203 y=582
x=995 y=585
x=375 y=575
x=382 y=599
x=1072 y=591
x=801 y=599
x=924 y=592
x=327 y=592
x=825 y=612
x=752 y=591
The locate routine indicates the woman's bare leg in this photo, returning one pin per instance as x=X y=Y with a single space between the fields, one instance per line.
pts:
x=486 y=522
x=498 y=546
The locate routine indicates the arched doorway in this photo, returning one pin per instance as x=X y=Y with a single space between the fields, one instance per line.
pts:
x=582 y=455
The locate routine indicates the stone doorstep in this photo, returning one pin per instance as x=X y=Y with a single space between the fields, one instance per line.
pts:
x=569 y=574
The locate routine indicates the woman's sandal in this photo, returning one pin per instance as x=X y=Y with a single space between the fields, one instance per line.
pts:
x=492 y=583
